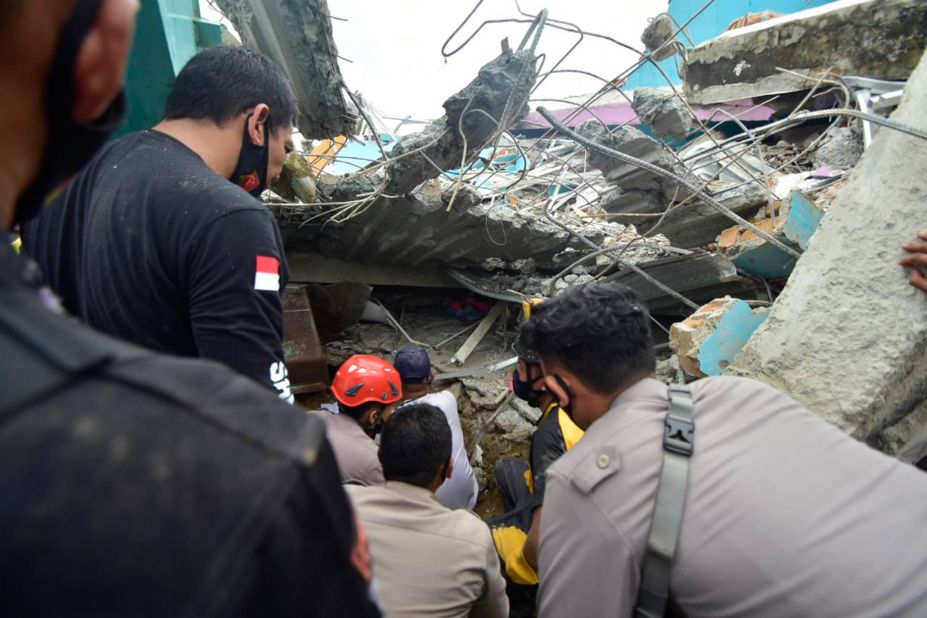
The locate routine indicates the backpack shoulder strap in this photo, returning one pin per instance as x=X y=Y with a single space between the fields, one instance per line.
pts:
x=41 y=351
x=678 y=435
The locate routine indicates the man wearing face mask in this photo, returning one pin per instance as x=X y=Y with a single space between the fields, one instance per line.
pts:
x=516 y=533
x=137 y=484
x=367 y=389
x=722 y=498
x=160 y=240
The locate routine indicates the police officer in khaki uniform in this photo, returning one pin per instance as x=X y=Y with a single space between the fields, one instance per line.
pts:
x=782 y=515
x=428 y=561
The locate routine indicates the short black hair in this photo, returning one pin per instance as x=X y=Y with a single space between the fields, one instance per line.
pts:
x=222 y=82
x=355 y=412
x=415 y=443
x=599 y=331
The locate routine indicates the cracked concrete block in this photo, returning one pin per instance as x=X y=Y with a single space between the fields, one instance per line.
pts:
x=663 y=111
x=840 y=149
x=631 y=141
x=494 y=101
x=848 y=335
x=513 y=425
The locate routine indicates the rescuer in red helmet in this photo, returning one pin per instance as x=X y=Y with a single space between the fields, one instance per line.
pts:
x=367 y=388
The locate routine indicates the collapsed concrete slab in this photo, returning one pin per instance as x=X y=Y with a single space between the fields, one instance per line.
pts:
x=880 y=39
x=848 y=335
x=418 y=229
x=698 y=277
x=298 y=37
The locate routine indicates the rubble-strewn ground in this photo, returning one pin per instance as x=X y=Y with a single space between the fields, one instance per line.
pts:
x=425 y=319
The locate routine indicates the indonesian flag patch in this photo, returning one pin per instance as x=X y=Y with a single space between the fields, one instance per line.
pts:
x=267 y=274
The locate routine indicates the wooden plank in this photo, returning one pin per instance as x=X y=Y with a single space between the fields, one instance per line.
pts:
x=476 y=336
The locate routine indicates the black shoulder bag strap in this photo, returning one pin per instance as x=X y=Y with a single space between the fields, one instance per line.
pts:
x=41 y=351
x=678 y=435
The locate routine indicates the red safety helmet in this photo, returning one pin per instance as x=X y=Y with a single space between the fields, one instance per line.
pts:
x=364 y=378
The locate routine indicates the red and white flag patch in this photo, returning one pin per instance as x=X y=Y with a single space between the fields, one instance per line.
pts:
x=267 y=274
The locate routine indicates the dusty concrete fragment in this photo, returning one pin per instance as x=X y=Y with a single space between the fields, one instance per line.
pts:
x=631 y=141
x=514 y=425
x=663 y=111
x=491 y=103
x=686 y=337
x=840 y=149
x=881 y=39
x=298 y=36
x=708 y=340
x=848 y=336
x=658 y=31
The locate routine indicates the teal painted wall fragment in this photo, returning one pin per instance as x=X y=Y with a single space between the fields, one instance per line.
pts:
x=803 y=221
x=730 y=336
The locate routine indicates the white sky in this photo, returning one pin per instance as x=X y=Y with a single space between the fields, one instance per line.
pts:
x=395 y=46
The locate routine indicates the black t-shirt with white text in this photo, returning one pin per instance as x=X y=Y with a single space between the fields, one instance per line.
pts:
x=152 y=246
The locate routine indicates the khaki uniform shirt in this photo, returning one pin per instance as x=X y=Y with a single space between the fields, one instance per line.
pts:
x=429 y=561
x=785 y=515
x=355 y=451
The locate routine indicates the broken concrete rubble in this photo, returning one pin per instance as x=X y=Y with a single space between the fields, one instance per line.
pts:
x=665 y=112
x=491 y=103
x=840 y=149
x=744 y=63
x=698 y=277
x=631 y=141
x=708 y=340
x=848 y=337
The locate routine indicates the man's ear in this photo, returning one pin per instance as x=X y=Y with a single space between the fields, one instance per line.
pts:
x=380 y=456
x=555 y=385
x=449 y=468
x=431 y=378
x=257 y=124
x=100 y=66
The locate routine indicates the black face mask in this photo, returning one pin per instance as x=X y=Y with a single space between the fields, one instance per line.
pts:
x=566 y=391
x=251 y=170
x=70 y=144
x=524 y=391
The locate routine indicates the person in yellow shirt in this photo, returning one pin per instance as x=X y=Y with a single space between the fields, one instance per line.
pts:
x=517 y=532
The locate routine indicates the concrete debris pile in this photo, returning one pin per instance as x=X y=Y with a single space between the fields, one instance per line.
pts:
x=703 y=198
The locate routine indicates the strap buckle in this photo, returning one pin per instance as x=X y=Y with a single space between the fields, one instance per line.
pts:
x=678 y=434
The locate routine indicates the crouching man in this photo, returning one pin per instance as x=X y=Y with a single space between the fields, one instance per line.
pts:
x=414 y=367
x=428 y=560
x=367 y=388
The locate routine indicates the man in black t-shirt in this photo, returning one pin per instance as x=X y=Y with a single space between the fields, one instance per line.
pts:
x=160 y=240
x=133 y=483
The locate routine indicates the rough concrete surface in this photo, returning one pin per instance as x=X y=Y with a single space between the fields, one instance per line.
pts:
x=297 y=34
x=417 y=229
x=840 y=149
x=663 y=111
x=495 y=100
x=848 y=335
x=881 y=39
